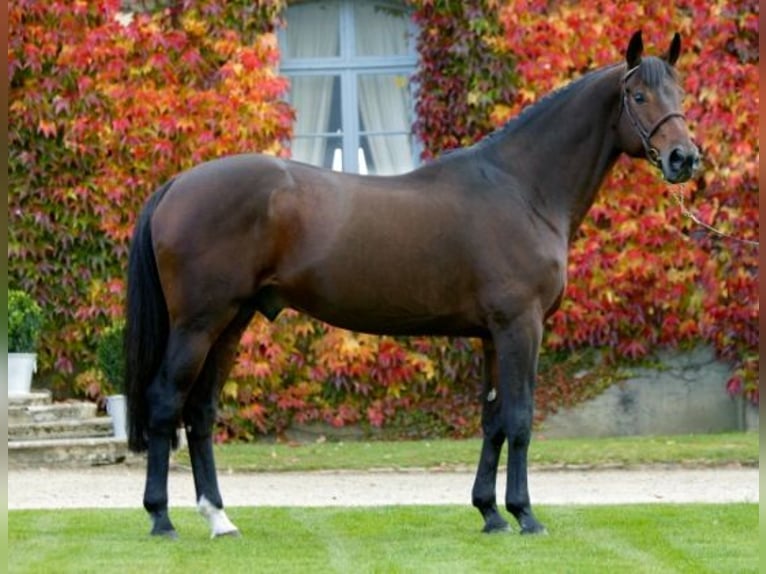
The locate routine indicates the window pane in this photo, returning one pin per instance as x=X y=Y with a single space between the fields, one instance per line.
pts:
x=384 y=103
x=386 y=155
x=319 y=151
x=312 y=30
x=317 y=104
x=381 y=29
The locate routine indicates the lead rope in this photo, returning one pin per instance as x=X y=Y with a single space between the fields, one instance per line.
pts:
x=691 y=215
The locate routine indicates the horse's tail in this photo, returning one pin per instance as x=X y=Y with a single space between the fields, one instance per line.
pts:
x=146 y=323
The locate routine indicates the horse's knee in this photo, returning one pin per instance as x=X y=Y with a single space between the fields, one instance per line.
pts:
x=519 y=436
x=517 y=424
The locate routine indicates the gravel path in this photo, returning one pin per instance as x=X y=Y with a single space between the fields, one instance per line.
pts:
x=122 y=487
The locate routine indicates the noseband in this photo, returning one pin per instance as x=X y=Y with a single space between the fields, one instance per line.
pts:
x=652 y=153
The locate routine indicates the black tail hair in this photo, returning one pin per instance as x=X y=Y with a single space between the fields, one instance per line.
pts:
x=146 y=323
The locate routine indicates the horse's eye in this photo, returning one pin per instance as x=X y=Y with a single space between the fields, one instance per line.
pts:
x=639 y=98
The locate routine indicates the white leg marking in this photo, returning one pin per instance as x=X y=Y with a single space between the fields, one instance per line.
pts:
x=220 y=525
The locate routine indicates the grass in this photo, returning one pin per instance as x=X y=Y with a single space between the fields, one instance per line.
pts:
x=443 y=539
x=688 y=450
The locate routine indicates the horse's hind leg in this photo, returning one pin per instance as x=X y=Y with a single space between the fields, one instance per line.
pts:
x=199 y=417
x=184 y=357
x=484 y=497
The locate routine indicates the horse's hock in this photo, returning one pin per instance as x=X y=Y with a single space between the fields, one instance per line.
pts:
x=681 y=392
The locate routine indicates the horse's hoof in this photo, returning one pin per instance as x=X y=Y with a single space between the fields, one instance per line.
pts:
x=161 y=525
x=535 y=530
x=496 y=525
x=220 y=525
x=527 y=521
x=169 y=534
x=496 y=530
x=229 y=534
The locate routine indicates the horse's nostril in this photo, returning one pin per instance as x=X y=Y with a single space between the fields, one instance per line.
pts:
x=678 y=158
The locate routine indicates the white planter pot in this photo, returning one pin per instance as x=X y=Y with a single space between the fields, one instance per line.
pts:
x=116 y=407
x=21 y=367
x=752 y=417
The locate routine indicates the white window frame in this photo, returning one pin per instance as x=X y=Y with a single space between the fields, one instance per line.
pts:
x=348 y=68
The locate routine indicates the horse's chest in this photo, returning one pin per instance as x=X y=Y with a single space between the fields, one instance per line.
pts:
x=518 y=270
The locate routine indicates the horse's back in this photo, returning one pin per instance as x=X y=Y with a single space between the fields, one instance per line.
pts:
x=404 y=254
x=224 y=185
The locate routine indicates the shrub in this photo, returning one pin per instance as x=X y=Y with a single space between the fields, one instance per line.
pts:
x=111 y=357
x=25 y=320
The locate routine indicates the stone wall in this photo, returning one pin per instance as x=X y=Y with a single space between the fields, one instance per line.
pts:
x=684 y=393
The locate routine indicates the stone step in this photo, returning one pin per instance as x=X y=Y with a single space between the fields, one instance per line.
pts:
x=30 y=399
x=40 y=413
x=63 y=434
x=67 y=453
x=61 y=429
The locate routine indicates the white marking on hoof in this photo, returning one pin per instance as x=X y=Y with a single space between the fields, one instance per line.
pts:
x=492 y=395
x=220 y=525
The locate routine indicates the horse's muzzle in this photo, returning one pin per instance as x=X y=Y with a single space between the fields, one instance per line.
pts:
x=681 y=164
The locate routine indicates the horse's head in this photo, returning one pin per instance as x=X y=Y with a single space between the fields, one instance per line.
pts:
x=651 y=122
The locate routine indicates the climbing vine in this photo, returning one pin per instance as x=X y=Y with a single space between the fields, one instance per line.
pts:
x=103 y=109
x=644 y=275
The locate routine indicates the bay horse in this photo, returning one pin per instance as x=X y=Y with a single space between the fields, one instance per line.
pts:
x=473 y=244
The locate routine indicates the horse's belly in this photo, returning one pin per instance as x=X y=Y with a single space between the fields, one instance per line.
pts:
x=385 y=307
x=377 y=323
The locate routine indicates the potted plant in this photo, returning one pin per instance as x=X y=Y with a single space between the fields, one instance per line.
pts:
x=25 y=318
x=111 y=363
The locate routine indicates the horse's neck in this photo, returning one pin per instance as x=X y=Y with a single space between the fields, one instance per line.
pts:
x=563 y=150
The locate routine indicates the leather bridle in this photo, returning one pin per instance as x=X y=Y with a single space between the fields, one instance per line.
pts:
x=652 y=153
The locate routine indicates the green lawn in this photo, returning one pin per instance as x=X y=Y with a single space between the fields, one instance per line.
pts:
x=704 y=450
x=445 y=539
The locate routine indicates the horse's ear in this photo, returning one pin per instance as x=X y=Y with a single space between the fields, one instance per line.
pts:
x=675 y=50
x=635 y=49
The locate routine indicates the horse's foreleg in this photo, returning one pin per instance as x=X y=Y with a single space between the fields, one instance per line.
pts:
x=483 y=495
x=184 y=357
x=517 y=347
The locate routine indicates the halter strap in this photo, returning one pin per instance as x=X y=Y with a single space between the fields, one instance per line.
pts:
x=652 y=153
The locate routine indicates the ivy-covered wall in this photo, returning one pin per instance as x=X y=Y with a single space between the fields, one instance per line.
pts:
x=643 y=275
x=101 y=113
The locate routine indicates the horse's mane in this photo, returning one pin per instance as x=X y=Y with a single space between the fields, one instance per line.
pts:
x=651 y=71
x=547 y=102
